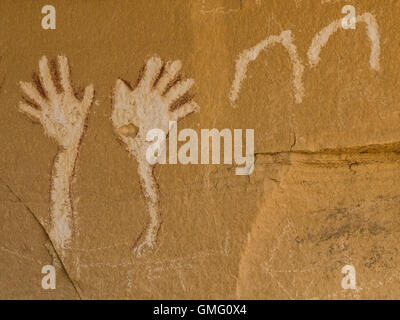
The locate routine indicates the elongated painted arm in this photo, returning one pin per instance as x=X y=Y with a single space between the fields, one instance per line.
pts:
x=60 y=197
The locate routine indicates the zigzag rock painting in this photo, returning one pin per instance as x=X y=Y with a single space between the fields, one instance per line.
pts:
x=205 y=149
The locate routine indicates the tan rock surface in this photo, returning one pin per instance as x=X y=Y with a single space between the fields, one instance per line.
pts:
x=324 y=192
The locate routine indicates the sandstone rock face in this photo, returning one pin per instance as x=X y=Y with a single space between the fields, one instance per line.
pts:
x=322 y=215
x=324 y=193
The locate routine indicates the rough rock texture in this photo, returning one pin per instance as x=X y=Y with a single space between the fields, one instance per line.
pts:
x=324 y=192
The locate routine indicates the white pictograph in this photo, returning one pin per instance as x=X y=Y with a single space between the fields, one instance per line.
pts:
x=136 y=112
x=248 y=55
x=322 y=37
x=318 y=42
x=63 y=117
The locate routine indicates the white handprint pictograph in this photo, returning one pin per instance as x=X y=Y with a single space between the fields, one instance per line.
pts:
x=63 y=118
x=149 y=106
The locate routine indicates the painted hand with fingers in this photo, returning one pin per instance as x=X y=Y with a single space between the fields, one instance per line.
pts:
x=146 y=107
x=63 y=116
